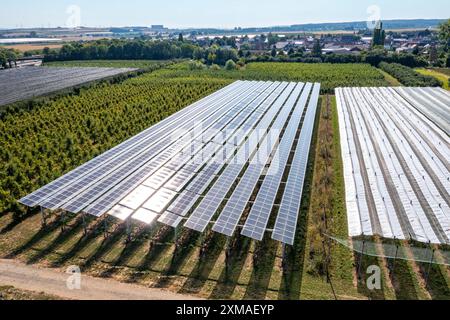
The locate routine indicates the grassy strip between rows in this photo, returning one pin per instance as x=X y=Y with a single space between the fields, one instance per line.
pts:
x=392 y=81
x=327 y=215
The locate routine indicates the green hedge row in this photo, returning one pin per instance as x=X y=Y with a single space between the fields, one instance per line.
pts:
x=408 y=76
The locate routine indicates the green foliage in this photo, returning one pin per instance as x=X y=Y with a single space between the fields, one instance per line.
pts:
x=3 y=59
x=317 y=49
x=230 y=65
x=408 y=76
x=273 y=53
x=379 y=35
x=215 y=67
x=7 y=56
x=40 y=145
x=376 y=56
x=140 y=64
x=329 y=75
x=196 y=65
x=444 y=34
x=140 y=49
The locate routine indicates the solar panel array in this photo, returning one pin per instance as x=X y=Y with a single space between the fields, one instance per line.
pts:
x=203 y=162
x=396 y=162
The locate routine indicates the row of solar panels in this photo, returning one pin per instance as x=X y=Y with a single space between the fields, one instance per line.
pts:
x=396 y=166
x=203 y=161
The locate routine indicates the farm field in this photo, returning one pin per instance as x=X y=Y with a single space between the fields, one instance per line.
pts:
x=32 y=47
x=408 y=76
x=45 y=142
x=140 y=64
x=26 y=83
x=152 y=176
x=329 y=76
x=150 y=258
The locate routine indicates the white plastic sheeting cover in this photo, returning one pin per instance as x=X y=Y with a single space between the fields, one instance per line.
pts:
x=396 y=162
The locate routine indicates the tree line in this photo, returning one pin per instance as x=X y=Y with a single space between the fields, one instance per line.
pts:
x=373 y=57
x=140 y=49
x=408 y=76
x=7 y=57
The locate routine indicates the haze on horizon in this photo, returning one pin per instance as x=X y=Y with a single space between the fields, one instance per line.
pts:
x=214 y=14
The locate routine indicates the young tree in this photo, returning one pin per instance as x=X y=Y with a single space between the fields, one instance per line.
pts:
x=3 y=58
x=433 y=54
x=379 y=35
x=273 y=53
x=444 y=34
x=180 y=37
x=317 y=49
x=230 y=65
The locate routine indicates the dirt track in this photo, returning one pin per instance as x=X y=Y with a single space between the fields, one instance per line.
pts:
x=54 y=282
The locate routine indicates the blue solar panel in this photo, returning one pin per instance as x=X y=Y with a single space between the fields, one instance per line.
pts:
x=286 y=223
x=256 y=223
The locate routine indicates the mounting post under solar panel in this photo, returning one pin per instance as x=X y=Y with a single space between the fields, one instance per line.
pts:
x=83 y=216
x=175 y=233
x=105 y=228
x=360 y=259
x=129 y=230
x=227 y=257
x=395 y=256
x=284 y=258
x=63 y=221
x=43 y=220
x=427 y=276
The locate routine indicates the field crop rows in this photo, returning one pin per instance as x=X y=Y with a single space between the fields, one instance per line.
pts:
x=396 y=164
x=140 y=64
x=63 y=132
x=329 y=75
x=409 y=77
x=26 y=83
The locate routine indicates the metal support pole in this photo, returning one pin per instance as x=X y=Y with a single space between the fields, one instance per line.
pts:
x=128 y=230
x=175 y=234
x=427 y=276
x=395 y=259
x=283 y=259
x=360 y=259
x=83 y=216
x=63 y=221
x=43 y=220
x=105 y=228
x=227 y=257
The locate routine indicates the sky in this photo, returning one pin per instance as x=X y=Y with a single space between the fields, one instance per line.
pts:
x=210 y=13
